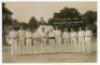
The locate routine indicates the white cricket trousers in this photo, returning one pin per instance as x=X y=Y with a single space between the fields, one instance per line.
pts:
x=81 y=45
x=58 y=47
x=21 y=46
x=88 y=44
x=74 y=45
x=28 y=46
x=43 y=45
x=66 y=45
x=15 y=46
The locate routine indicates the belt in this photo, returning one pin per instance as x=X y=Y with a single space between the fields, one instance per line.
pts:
x=88 y=36
x=51 y=38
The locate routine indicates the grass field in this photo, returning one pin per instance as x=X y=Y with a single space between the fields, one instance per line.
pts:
x=54 y=57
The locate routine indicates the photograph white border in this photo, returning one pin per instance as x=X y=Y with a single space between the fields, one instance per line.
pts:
x=98 y=35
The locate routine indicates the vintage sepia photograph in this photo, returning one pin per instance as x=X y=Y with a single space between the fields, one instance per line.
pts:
x=49 y=32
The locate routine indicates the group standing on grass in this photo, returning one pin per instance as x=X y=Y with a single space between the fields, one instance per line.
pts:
x=53 y=41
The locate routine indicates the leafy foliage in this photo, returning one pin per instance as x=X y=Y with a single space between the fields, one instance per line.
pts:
x=71 y=15
x=33 y=23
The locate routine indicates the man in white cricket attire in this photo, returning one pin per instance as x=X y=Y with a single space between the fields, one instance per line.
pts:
x=28 y=45
x=8 y=38
x=51 y=45
x=81 y=40
x=58 y=40
x=65 y=39
x=21 y=45
x=34 y=37
x=47 y=42
x=43 y=41
x=74 y=44
x=13 y=41
x=36 y=42
x=88 y=39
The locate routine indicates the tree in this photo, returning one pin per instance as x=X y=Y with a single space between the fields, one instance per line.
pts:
x=7 y=22
x=51 y=21
x=68 y=13
x=90 y=17
x=33 y=23
x=65 y=15
x=7 y=19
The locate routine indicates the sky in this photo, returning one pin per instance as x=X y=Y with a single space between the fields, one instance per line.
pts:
x=23 y=11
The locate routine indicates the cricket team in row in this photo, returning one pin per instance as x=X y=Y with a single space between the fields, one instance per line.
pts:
x=53 y=41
